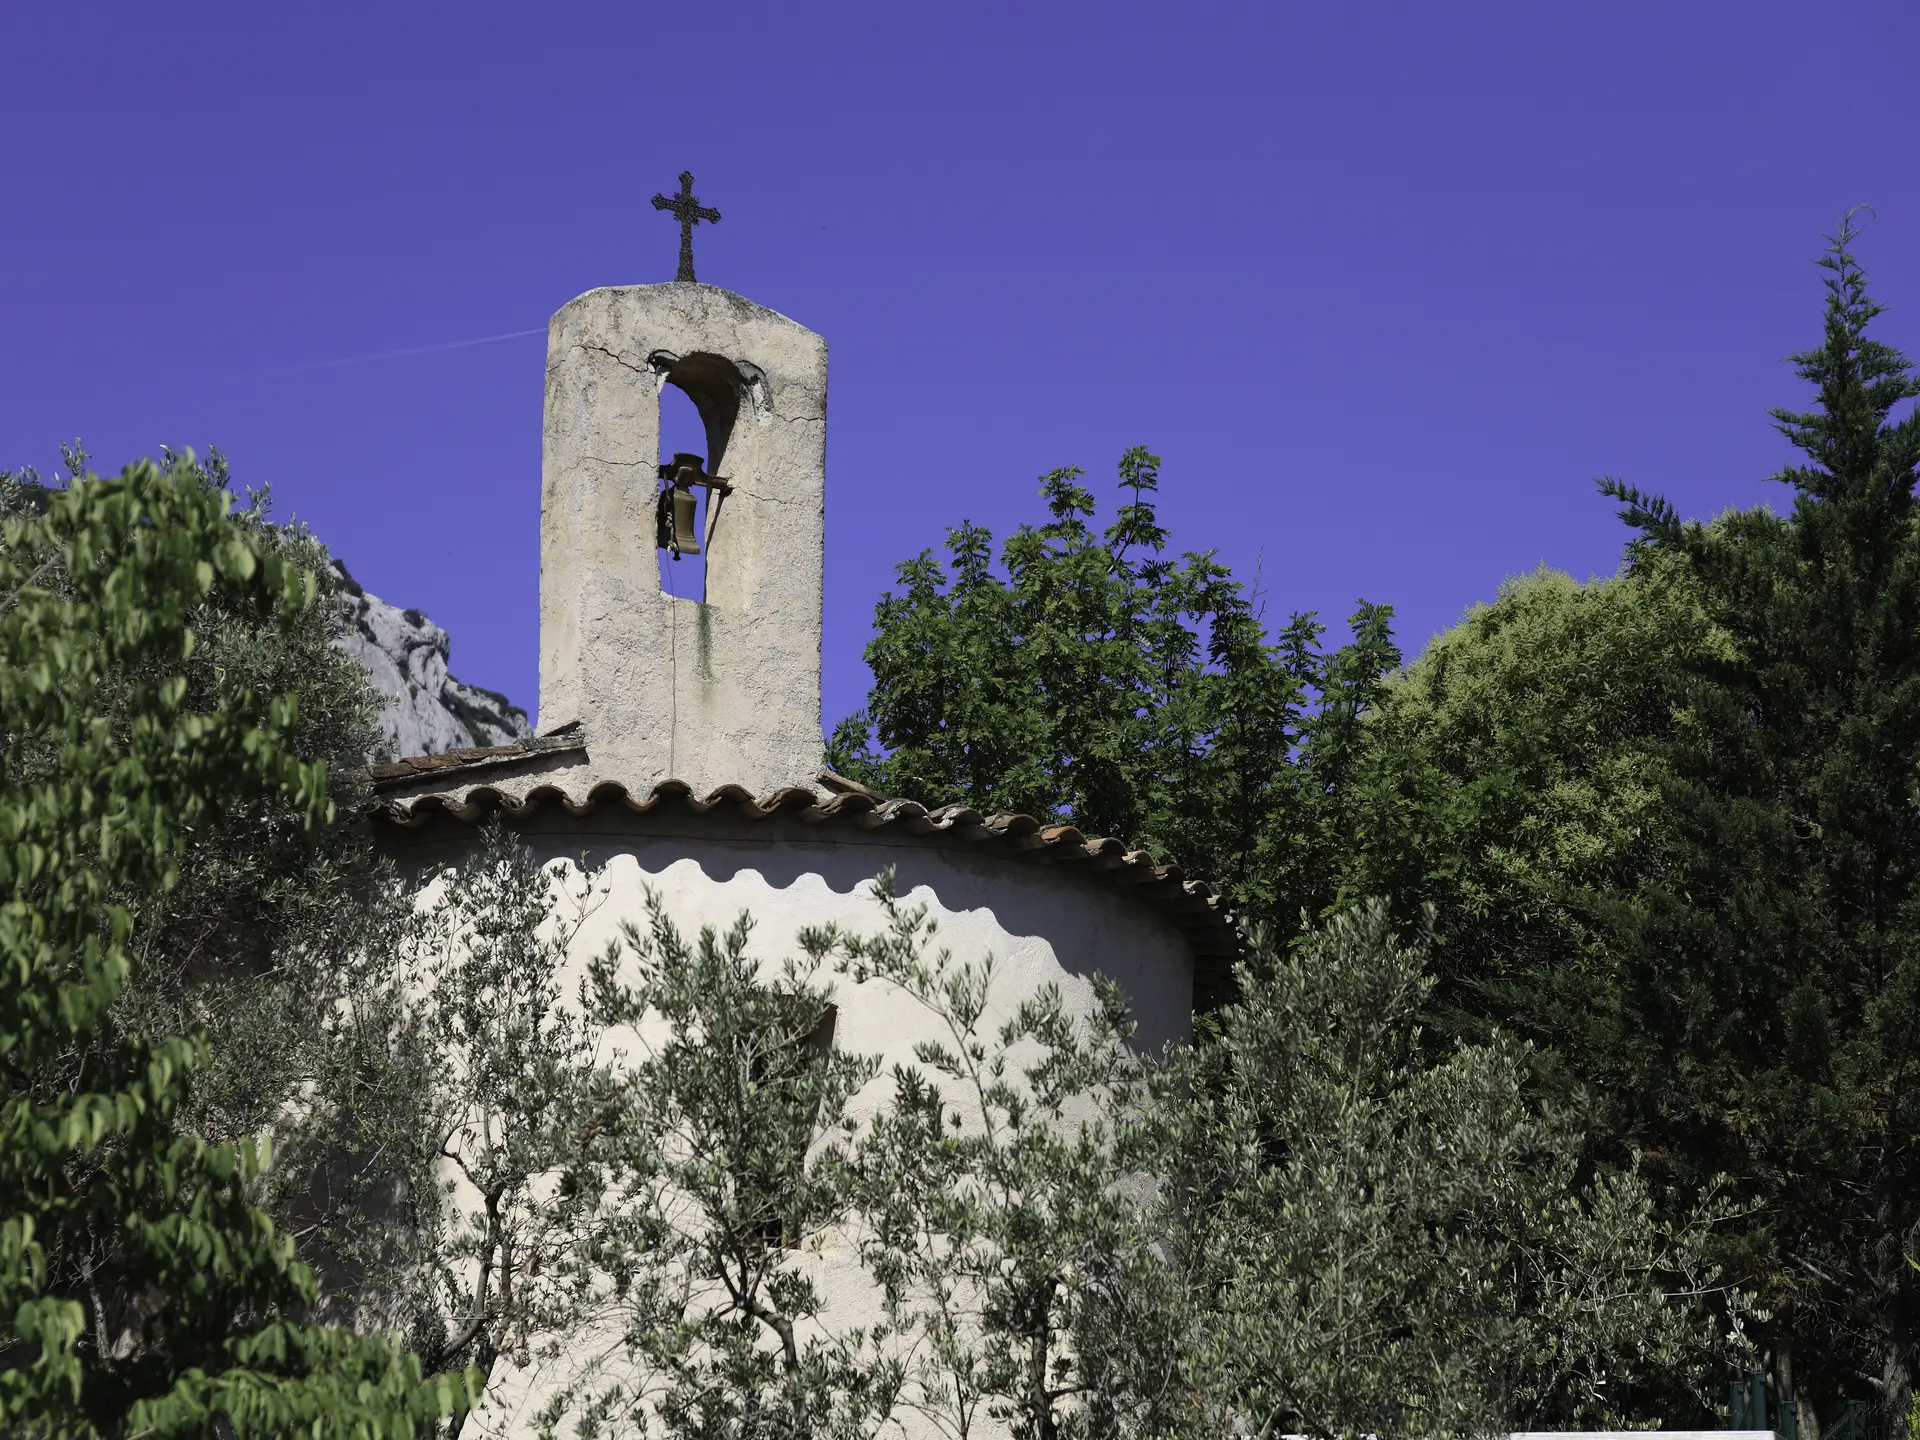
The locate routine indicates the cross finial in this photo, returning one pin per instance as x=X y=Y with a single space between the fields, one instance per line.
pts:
x=689 y=212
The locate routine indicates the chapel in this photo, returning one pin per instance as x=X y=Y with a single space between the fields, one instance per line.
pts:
x=678 y=744
x=679 y=739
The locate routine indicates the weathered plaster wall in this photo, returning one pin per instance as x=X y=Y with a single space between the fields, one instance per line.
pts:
x=1040 y=924
x=725 y=691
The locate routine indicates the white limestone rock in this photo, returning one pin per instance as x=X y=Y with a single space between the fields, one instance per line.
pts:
x=405 y=655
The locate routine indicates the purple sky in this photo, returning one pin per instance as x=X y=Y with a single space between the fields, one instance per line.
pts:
x=1387 y=286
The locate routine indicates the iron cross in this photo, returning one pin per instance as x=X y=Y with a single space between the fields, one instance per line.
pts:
x=689 y=212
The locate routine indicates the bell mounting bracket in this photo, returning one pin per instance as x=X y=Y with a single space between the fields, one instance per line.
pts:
x=690 y=470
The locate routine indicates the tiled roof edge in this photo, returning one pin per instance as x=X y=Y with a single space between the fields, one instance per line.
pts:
x=393 y=774
x=1192 y=905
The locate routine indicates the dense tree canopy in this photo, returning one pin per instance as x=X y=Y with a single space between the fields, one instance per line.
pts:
x=1512 y=781
x=1668 y=820
x=1095 y=679
x=1579 y=1010
x=140 y=1289
x=1382 y=1238
x=1778 y=956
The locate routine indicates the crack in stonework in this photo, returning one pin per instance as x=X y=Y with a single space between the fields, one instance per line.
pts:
x=620 y=360
x=763 y=410
x=738 y=489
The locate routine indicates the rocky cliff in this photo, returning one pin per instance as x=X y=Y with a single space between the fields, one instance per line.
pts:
x=405 y=654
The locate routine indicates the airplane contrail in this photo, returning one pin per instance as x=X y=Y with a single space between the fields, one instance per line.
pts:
x=411 y=350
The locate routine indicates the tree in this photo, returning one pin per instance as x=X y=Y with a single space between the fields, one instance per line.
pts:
x=592 y=1175
x=444 y=1082
x=1778 y=960
x=1099 y=682
x=1375 y=1239
x=722 y=1160
x=252 y=924
x=1062 y=1239
x=248 y=886
x=1303 y=1223
x=1511 y=776
x=1512 y=779
x=996 y=1220
x=140 y=1291
x=1669 y=821
x=420 y=1069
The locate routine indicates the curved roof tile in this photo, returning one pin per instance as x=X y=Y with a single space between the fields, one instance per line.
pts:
x=1193 y=906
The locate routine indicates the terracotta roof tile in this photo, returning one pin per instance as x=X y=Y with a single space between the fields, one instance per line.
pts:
x=1201 y=914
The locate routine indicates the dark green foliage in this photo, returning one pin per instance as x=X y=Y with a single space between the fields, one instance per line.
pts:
x=263 y=886
x=264 y=882
x=140 y=1291
x=1381 y=1242
x=1669 y=820
x=1779 y=953
x=1511 y=778
x=1095 y=680
x=1341 y=1235
x=1372 y=1240
x=1663 y=828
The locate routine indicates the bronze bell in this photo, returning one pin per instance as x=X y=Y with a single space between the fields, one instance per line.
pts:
x=686 y=522
x=678 y=520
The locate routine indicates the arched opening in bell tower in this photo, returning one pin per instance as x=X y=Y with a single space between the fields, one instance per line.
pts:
x=699 y=402
x=681 y=432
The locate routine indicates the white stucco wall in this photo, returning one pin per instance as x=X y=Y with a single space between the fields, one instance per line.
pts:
x=1039 y=922
x=1041 y=925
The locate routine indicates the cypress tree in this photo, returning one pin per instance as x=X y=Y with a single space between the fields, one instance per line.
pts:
x=1763 y=1018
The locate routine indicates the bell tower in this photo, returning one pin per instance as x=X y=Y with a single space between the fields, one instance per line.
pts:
x=713 y=692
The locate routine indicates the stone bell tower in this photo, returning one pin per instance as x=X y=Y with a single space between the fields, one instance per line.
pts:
x=724 y=690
